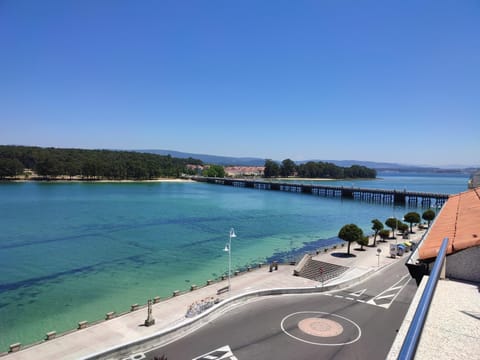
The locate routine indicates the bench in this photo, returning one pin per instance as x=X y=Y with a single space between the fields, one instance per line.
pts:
x=222 y=290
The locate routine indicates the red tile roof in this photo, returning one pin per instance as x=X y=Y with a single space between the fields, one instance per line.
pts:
x=459 y=220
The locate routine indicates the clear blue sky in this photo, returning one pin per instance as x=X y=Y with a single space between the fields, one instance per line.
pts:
x=395 y=81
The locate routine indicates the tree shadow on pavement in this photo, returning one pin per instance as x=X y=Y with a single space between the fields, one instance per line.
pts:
x=343 y=255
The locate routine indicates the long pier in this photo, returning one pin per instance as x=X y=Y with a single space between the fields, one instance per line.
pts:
x=383 y=196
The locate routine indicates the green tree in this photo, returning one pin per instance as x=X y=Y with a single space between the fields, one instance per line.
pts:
x=96 y=163
x=49 y=166
x=350 y=233
x=384 y=234
x=428 y=216
x=412 y=218
x=363 y=242
x=214 y=171
x=377 y=226
x=392 y=223
x=402 y=227
x=271 y=169
x=10 y=168
x=287 y=168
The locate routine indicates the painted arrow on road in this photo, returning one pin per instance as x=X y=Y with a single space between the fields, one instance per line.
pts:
x=223 y=353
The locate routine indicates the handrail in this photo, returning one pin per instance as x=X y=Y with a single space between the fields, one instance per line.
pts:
x=412 y=338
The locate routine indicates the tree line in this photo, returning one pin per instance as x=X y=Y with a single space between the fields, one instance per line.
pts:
x=90 y=164
x=313 y=169
x=352 y=233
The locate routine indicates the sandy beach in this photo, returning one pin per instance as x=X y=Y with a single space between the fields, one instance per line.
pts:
x=76 y=179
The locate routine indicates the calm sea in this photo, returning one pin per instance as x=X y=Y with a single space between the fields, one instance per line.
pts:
x=74 y=251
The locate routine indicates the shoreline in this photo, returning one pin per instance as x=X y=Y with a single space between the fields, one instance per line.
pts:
x=159 y=180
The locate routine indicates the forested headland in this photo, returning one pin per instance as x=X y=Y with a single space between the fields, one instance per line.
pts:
x=52 y=163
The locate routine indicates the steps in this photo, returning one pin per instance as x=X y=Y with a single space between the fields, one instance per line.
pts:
x=320 y=270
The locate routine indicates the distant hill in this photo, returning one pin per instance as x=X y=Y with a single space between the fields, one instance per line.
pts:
x=211 y=159
x=250 y=161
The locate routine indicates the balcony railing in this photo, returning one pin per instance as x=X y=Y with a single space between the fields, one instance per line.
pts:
x=412 y=339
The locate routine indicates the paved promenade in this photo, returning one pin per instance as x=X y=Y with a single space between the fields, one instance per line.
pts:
x=172 y=311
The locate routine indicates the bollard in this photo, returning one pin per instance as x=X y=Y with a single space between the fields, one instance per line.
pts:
x=110 y=315
x=15 y=347
x=209 y=282
x=224 y=277
x=150 y=320
x=176 y=293
x=82 y=324
x=249 y=268
x=193 y=287
x=50 y=335
x=156 y=299
x=134 y=307
x=236 y=273
x=260 y=265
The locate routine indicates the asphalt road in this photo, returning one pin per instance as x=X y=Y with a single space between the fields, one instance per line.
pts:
x=356 y=323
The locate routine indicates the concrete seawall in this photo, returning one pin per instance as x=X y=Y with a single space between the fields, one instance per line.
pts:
x=168 y=335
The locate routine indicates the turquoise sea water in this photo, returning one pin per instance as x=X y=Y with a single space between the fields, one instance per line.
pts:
x=74 y=251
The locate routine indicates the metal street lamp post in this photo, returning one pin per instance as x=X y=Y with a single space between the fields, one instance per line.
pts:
x=396 y=224
x=228 y=248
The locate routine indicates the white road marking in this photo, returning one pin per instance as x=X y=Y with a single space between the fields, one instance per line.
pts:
x=358 y=293
x=386 y=294
x=390 y=293
x=221 y=353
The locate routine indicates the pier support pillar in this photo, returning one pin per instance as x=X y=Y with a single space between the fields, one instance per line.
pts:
x=347 y=193
x=399 y=198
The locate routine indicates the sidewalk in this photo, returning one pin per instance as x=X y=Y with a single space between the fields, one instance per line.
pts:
x=171 y=312
x=451 y=329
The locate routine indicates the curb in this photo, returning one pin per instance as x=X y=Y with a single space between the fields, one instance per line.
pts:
x=166 y=336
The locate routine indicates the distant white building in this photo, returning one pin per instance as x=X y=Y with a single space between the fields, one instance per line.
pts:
x=240 y=171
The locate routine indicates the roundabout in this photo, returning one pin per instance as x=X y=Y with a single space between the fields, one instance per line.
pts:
x=320 y=328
